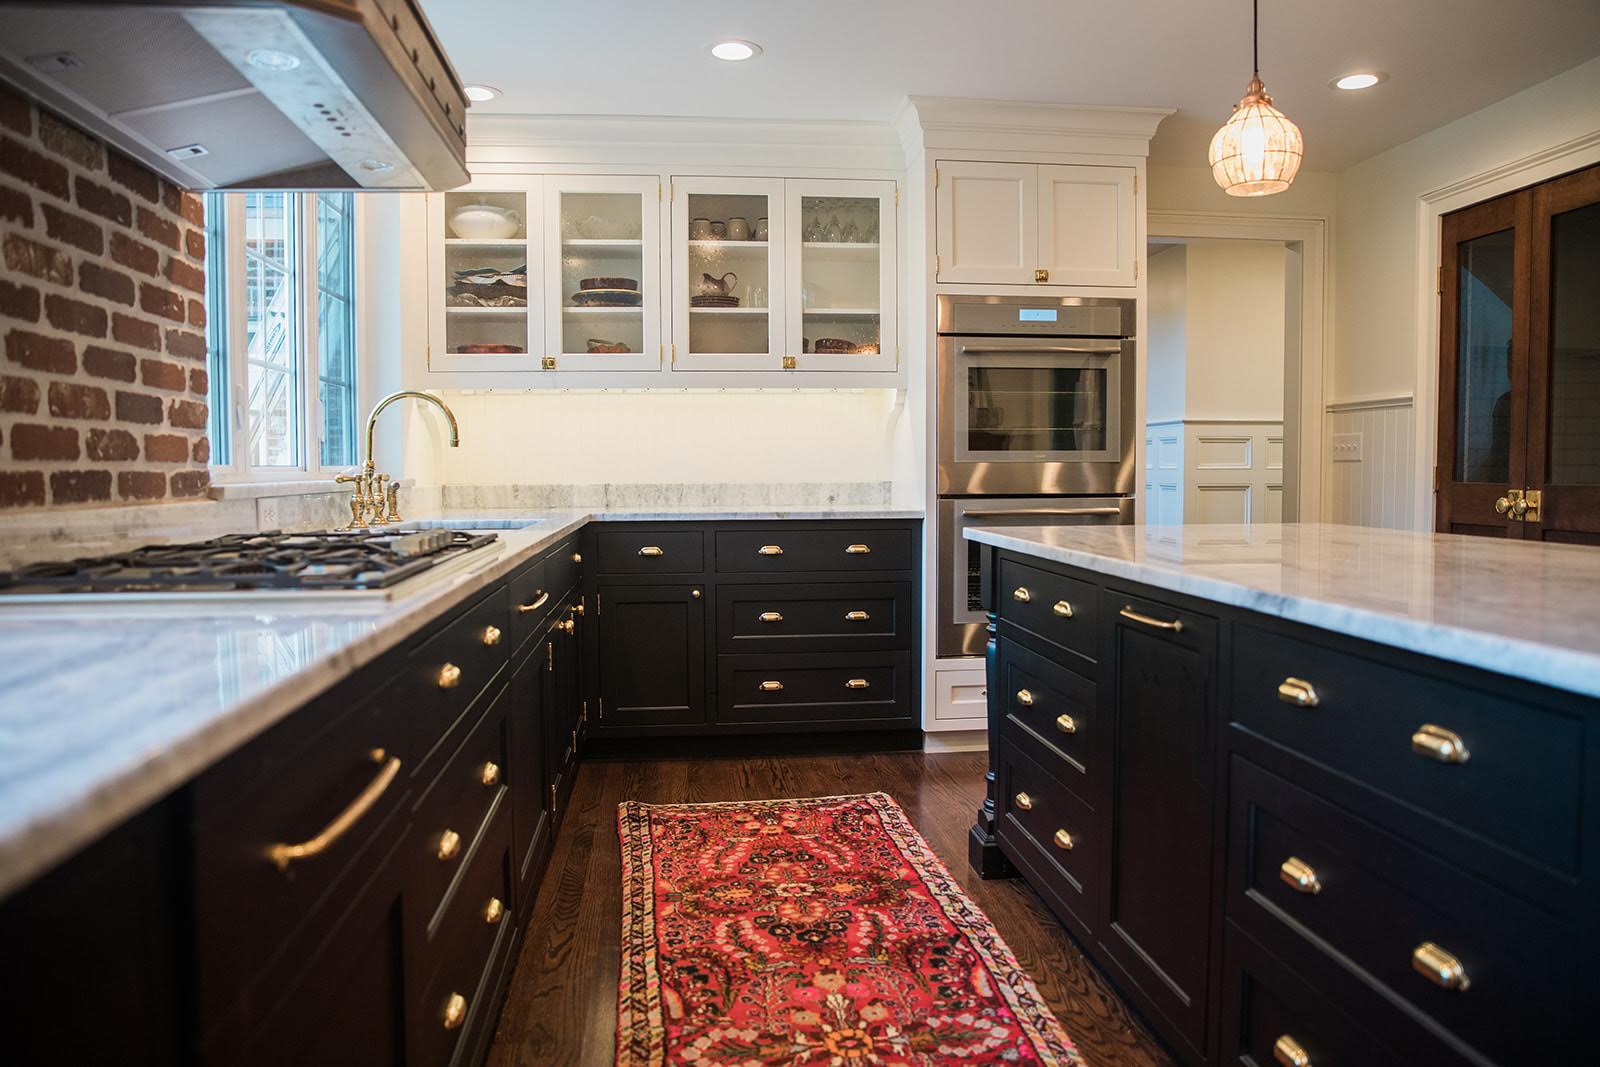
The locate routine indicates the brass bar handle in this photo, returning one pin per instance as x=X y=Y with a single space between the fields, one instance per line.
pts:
x=771 y=687
x=1440 y=967
x=539 y=602
x=490 y=775
x=1300 y=693
x=1023 y=801
x=1062 y=608
x=1127 y=612
x=449 y=846
x=856 y=616
x=283 y=855
x=494 y=911
x=1021 y=595
x=1063 y=840
x=1300 y=876
x=1066 y=724
x=857 y=550
x=770 y=550
x=449 y=676
x=857 y=683
x=455 y=1011
x=771 y=616
x=491 y=635
x=651 y=550
x=1287 y=1051
x=1025 y=697
x=1440 y=744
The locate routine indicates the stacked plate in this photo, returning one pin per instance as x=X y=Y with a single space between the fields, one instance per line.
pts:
x=607 y=292
x=713 y=301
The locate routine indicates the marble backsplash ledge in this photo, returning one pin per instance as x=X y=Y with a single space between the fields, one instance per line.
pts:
x=665 y=495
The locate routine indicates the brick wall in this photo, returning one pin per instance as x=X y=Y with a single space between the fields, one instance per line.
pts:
x=102 y=314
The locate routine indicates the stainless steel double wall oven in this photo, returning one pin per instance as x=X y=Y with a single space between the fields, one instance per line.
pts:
x=1036 y=428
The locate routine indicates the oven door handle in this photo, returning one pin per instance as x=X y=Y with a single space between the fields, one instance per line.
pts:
x=1041 y=513
x=1023 y=350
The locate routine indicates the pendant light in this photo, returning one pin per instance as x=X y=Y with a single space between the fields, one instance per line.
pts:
x=1257 y=152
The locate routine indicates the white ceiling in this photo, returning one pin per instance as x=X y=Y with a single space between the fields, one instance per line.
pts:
x=857 y=59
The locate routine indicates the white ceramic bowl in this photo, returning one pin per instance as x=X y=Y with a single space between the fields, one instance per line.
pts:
x=484 y=222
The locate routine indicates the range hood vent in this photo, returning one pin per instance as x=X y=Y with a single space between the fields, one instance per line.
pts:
x=211 y=94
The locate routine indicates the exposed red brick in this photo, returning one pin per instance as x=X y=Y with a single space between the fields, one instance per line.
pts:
x=80 y=487
x=193 y=209
x=103 y=281
x=197 y=314
x=70 y=142
x=20 y=489
x=141 y=485
x=15 y=205
x=136 y=332
x=114 y=446
x=32 y=441
x=199 y=381
x=15 y=111
x=40 y=261
x=76 y=316
x=190 y=277
x=158 y=227
x=139 y=408
x=166 y=447
x=171 y=197
x=163 y=302
x=75 y=230
x=136 y=254
x=19 y=301
x=19 y=394
x=110 y=363
x=104 y=201
x=33 y=167
x=190 y=483
x=160 y=374
x=38 y=352
x=186 y=345
x=130 y=175
x=202 y=450
x=194 y=243
x=187 y=414
x=70 y=400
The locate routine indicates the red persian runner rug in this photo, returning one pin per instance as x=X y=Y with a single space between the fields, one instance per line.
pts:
x=818 y=933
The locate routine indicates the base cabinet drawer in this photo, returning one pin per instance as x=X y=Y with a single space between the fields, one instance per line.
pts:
x=1056 y=711
x=814 y=617
x=446 y=673
x=836 y=691
x=782 y=549
x=1059 y=609
x=1052 y=834
x=531 y=598
x=652 y=551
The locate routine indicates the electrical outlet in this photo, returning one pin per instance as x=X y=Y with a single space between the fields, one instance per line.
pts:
x=1347 y=448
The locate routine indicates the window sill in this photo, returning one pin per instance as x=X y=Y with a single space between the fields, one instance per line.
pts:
x=298 y=487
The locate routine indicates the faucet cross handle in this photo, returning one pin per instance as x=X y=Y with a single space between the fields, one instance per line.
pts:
x=378 y=501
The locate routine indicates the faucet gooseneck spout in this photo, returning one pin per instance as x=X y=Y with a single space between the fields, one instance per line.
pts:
x=372 y=420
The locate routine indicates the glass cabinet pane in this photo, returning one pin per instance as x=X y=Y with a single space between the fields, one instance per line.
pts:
x=1575 y=347
x=603 y=274
x=486 y=273
x=1483 y=358
x=840 y=265
x=730 y=276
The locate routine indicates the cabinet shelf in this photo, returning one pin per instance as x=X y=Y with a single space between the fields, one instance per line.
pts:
x=728 y=311
x=842 y=247
x=726 y=245
x=602 y=244
x=603 y=312
x=518 y=311
x=494 y=242
x=841 y=313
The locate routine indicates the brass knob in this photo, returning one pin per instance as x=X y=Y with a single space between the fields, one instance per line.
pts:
x=695 y=593
x=455 y=1011
x=1066 y=724
x=490 y=774
x=1021 y=594
x=1041 y=275
x=579 y=608
x=856 y=683
x=1300 y=876
x=568 y=626
x=494 y=911
x=1025 y=698
x=449 y=845
x=1023 y=801
x=577 y=557
x=771 y=687
x=856 y=616
x=1287 y=1051
x=491 y=635
x=449 y=676
x=1299 y=693
x=857 y=550
x=771 y=616
x=1062 y=608
x=770 y=550
x=1436 y=742
x=1063 y=840
x=651 y=550
x=1439 y=967
x=1502 y=505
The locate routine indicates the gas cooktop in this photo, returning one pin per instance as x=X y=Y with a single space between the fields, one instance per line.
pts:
x=337 y=561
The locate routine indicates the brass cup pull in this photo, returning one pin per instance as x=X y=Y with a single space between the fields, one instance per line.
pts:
x=651 y=550
x=1021 y=595
x=856 y=616
x=1127 y=612
x=857 y=550
x=1287 y=1051
x=770 y=550
x=771 y=687
x=1300 y=876
x=771 y=616
x=538 y=602
x=455 y=1011
x=1063 y=840
x=857 y=683
x=1023 y=801
x=494 y=911
x=449 y=845
x=1439 y=967
x=449 y=676
x=491 y=635
x=1062 y=608
x=1436 y=742
x=490 y=775
x=1025 y=697
x=1298 y=692
x=283 y=855
x=1066 y=724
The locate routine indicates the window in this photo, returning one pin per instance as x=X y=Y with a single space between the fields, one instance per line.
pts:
x=281 y=328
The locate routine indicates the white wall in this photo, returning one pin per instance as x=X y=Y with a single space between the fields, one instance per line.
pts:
x=1314 y=194
x=1166 y=333
x=1235 y=327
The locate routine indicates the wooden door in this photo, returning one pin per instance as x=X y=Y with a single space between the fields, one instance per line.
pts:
x=987 y=222
x=652 y=655
x=1087 y=225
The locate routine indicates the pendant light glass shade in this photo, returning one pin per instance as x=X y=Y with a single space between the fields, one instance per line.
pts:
x=1258 y=150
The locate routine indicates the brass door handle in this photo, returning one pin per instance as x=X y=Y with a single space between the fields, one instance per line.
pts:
x=857 y=683
x=1287 y=1051
x=491 y=635
x=1298 y=692
x=857 y=550
x=539 y=602
x=771 y=616
x=771 y=687
x=1062 y=608
x=1127 y=612
x=490 y=774
x=283 y=855
x=1021 y=595
x=1502 y=505
x=651 y=550
x=1440 y=744
x=1300 y=876
x=1063 y=840
x=1023 y=801
x=494 y=911
x=455 y=1011
x=770 y=550
x=449 y=845
x=856 y=616
x=449 y=676
x=1439 y=967
x=1066 y=724
x=1025 y=697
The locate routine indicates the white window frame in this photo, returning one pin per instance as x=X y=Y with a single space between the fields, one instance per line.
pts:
x=308 y=395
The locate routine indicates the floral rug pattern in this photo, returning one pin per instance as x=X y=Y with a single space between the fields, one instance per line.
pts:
x=814 y=933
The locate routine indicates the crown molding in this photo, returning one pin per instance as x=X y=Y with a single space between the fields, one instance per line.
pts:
x=959 y=124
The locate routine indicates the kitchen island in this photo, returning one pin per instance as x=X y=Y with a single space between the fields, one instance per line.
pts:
x=1308 y=793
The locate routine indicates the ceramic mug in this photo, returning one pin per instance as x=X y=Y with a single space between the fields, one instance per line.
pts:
x=719 y=230
x=738 y=229
x=761 y=229
x=699 y=229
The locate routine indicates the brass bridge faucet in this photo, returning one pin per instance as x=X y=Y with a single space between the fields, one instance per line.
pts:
x=377 y=496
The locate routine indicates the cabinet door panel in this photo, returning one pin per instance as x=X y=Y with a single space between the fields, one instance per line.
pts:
x=741 y=326
x=652 y=655
x=987 y=222
x=481 y=277
x=527 y=777
x=1087 y=225
x=841 y=274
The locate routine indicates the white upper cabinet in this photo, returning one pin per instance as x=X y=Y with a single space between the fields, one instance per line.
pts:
x=1025 y=223
x=840 y=299
x=727 y=274
x=485 y=261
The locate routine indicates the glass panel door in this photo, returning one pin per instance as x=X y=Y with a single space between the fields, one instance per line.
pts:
x=488 y=237
x=841 y=275
x=604 y=265
x=1486 y=273
x=728 y=274
x=1575 y=347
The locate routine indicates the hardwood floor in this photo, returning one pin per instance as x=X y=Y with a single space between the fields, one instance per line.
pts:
x=562 y=1003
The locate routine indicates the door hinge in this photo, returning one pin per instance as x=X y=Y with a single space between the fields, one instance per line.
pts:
x=597 y=605
x=552 y=800
x=658 y=192
x=671 y=192
x=936 y=177
x=1136 y=270
x=1136 y=185
x=674 y=363
x=600 y=705
x=897 y=196
x=584 y=715
x=661 y=356
x=936 y=264
x=1440 y=289
x=550 y=655
x=1436 y=479
x=574 y=742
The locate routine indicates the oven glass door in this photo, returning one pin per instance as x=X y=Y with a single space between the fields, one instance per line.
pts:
x=1041 y=403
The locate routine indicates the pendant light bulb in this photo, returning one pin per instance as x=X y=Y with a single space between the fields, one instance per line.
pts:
x=1257 y=152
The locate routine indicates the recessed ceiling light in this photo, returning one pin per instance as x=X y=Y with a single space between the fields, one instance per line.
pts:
x=271 y=59
x=735 y=51
x=479 y=93
x=1364 y=79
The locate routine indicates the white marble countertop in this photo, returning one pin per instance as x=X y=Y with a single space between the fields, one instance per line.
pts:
x=1520 y=608
x=104 y=709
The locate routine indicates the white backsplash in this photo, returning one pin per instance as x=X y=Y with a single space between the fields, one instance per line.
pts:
x=651 y=496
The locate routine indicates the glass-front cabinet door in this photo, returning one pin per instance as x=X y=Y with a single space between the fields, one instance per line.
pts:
x=841 y=271
x=487 y=238
x=728 y=274
x=603 y=272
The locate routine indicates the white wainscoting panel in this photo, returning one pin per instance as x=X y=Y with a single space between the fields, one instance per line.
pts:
x=1222 y=471
x=1378 y=490
x=1163 y=481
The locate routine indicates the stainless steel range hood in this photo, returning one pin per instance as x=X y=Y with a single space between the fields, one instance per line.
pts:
x=212 y=94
